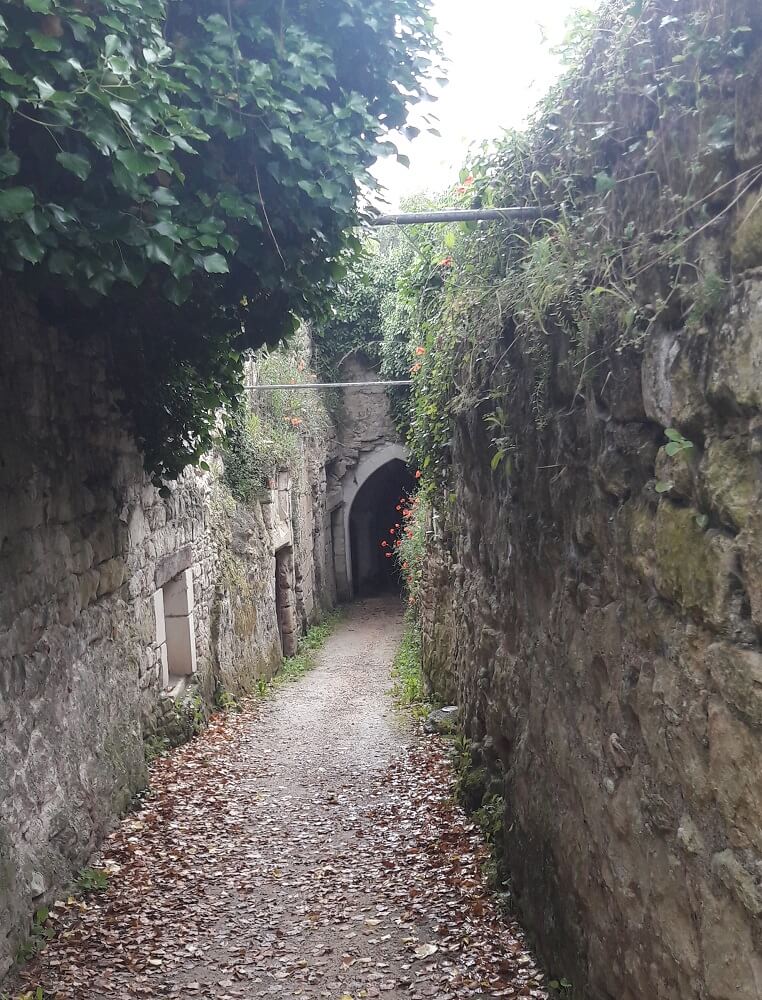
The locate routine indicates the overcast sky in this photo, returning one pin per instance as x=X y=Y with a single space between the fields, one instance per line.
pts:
x=499 y=68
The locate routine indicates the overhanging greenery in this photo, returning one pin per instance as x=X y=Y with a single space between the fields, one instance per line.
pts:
x=182 y=176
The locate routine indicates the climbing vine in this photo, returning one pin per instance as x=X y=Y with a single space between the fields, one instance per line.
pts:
x=182 y=177
x=633 y=153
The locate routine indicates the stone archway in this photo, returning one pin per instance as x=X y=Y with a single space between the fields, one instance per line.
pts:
x=369 y=465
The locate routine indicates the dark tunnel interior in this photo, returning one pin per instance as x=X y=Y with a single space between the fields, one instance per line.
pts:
x=373 y=520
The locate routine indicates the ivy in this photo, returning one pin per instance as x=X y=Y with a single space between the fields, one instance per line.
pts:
x=182 y=176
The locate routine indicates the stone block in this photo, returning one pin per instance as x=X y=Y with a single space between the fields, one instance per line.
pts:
x=735 y=366
x=672 y=394
x=735 y=775
x=737 y=672
x=81 y=558
x=746 y=250
x=88 y=587
x=733 y=968
x=750 y=548
x=110 y=576
x=677 y=470
x=732 y=480
x=741 y=883
x=158 y=611
x=172 y=564
x=178 y=595
x=181 y=645
x=102 y=540
x=687 y=564
x=689 y=835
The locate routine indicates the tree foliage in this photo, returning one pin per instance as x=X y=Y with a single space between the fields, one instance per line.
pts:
x=183 y=175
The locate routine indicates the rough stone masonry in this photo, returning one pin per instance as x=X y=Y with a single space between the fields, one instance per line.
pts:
x=122 y=613
x=603 y=637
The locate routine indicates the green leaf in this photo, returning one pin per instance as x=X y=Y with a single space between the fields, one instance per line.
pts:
x=162 y=196
x=604 y=183
x=30 y=248
x=160 y=251
x=45 y=43
x=9 y=163
x=136 y=162
x=123 y=110
x=44 y=88
x=39 y=6
x=215 y=263
x=168 y=229
x=182 y=266
x=663 y=487
x=15 y=201
x=75 y=163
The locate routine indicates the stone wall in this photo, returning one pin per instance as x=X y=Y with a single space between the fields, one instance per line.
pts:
x=366 y=439
x=602 y=637
x=114 y=602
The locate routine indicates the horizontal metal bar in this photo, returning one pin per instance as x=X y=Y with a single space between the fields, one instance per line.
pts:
x=328 y=385
x=462 y=215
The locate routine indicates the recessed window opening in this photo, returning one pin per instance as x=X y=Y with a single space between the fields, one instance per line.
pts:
x=177 y=597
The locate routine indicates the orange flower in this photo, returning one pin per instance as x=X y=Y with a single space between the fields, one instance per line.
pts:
x=446 y=262
x=418 y=474
x=415 y=368
x=295 y=421
x=420 y=351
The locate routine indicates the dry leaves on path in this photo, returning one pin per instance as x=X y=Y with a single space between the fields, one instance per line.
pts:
x=309 y=847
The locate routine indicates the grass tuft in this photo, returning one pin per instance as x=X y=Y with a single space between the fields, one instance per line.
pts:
x=408 y=688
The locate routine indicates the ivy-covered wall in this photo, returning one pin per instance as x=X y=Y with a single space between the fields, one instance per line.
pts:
x=594 y=598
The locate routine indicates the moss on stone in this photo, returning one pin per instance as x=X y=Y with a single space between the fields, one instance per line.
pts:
x=732 y=481
x=690 y=565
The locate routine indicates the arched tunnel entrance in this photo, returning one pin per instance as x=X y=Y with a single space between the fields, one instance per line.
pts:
x=373 y=516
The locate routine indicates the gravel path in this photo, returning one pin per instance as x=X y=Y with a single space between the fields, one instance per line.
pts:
x=307 y=847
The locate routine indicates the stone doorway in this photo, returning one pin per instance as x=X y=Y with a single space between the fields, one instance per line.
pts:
x=373 y=520
x=285 y=600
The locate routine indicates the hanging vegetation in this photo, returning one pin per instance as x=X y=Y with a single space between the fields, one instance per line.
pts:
x=182 y=176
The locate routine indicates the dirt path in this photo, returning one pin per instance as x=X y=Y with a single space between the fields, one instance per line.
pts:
x=307 y=847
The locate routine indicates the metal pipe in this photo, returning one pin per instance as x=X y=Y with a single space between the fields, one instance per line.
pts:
x=461 y=215
x=328 y=385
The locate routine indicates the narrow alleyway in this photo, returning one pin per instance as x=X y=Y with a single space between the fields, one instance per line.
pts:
x=307 y=847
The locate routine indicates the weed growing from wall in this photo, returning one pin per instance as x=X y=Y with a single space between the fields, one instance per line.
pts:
x=635 y=152
x=267 y=433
